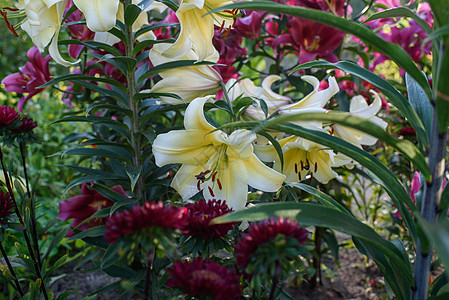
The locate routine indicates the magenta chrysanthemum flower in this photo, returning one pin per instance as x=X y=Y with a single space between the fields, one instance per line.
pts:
x=201 y=213
x=27 y=125
x=147 y=216
x=6 y=206
x=204 y=279
x=263 y=232
x=7 y=115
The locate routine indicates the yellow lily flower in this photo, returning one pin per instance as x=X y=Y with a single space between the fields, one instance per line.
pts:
x=220 y=165
x=302 y=158
x=43 y=23
x=360 y=108
x=247 y=88
x=142 y=19
x=100 y=14
x=197 y=28
x=187 y=82
x=313 y=102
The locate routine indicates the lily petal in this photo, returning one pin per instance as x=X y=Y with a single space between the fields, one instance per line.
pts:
x=100 y=14
x=262 y=177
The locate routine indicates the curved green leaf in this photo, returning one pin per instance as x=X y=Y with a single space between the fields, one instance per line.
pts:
x=387 y=89
x=71 y=77
x=172 y=65
x=420 y=102
x=404 y=146
x=399 y=12
x=369 y=37
x=324 y=199
x=313 y=214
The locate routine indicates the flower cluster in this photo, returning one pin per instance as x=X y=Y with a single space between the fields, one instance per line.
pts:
x=6 y=207
x=260 y=234
x=199 y=216
x=204 y=279
x=146 y=217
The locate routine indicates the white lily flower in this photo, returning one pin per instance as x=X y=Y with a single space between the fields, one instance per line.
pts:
x=313 y=102
x=220 y=165
x=100 y=14
x=302 y=158
x=187 y=82
x=43 y=23
x=247 y=88
x=360 y=108
x=197 y=28
x=142 y=19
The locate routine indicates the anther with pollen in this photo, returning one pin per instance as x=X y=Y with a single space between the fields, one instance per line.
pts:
x=201 y=178
x=210 y=191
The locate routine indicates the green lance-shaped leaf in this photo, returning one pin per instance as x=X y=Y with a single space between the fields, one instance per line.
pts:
x=71 y=77
x=313 y=214
x=383 y=175
x=369 y=37
x=438 y=233
x=131 y=14
x=404 y=146
x=172 y=65
x=400 y=12
x=420 y=102
x=387 y=89
x=92 y=45
x=324 y=199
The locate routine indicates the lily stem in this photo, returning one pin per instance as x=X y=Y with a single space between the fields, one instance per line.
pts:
x=431 y=200
x=133 y=106
x=228 y=100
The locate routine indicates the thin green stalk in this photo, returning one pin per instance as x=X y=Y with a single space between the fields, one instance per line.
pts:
x=133 y=106
x=32 y=207
x=11 y=269
x=147 y=294
x=228 y=100
x=25 y=231
x=431 y=200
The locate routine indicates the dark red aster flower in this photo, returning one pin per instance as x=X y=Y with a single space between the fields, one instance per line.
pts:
x=263 y=232
x=204 y=279
x=199 y=216
x=27 y=125
x=7 y=115
x=83 y=206
x=6 y=206
x=147 y=216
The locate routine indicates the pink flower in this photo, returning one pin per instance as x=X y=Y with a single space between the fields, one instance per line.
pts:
x=78 y=32
x=262 y=233
x=146 y=217
x=249 y=26
x=28 y=124
x=229 y=45
x=83 y=206
x=32 y=75
x=199 y=216
x=7 y=115
x=6 y=206
x=414 y=189
x=315 y=40
x=204 y=279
